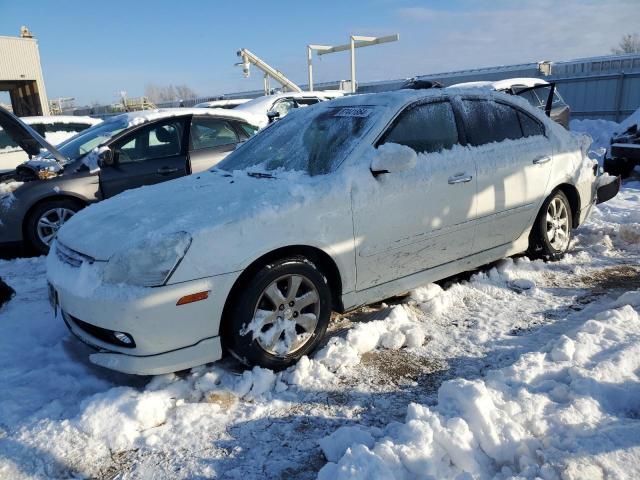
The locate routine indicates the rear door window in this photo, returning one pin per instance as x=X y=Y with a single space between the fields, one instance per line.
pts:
x=426 y=128
x=488 y=122
x=530 y=126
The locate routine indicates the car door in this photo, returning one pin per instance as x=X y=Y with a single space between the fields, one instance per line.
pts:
x=151 y=154
x=423 y=217
x=212 y=139
x=513 y=161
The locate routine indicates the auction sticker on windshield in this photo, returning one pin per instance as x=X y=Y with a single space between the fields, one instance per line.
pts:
x=353 y=112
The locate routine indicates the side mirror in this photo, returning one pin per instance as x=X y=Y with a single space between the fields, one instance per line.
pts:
x=273 y=115
x=392 y=157
x=105 y=158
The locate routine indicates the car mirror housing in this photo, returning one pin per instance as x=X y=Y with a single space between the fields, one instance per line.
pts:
x=105 y=158
x=273 y=115
x=392 y=158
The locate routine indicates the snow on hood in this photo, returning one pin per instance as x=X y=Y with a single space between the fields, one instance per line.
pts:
x=191 y=204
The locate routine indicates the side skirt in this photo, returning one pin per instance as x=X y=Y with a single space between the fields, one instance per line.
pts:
x=354 y=300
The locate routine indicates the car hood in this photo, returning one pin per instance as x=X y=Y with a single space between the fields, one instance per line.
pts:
x=191 y=204
x=26 y=137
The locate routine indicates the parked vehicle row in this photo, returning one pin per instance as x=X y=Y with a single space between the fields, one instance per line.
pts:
x=55 y=129
x=335 y=206
x=123 y=152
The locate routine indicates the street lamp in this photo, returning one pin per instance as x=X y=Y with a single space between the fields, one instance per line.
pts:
x=355 y=41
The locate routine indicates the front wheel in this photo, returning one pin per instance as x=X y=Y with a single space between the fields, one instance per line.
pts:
x=281 y=314
x=46 y=219
x=551 y=232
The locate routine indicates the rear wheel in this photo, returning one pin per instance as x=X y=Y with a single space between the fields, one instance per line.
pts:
x=281 y=314
x=551 y=232
x=46 y=219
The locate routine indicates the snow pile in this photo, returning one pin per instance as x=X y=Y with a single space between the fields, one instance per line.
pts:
x=600 y=131
x=543 y=417
x=633 y=119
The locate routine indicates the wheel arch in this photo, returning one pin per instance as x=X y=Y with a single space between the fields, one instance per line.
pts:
x=572 y=194
x=317 y=256
x=50 y=198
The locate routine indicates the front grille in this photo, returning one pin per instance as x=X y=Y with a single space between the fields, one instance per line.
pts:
x=71 y=257
x=103 y=334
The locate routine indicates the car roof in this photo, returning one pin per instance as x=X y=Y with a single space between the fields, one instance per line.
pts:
x=261 y=104
x=525 y=82
x=229 y=101
x=60 y=119
x=143 y=116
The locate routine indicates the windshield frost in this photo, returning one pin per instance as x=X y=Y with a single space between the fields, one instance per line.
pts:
x=314 y=140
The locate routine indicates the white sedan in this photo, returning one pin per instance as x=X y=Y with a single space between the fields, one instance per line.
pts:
x=336 y=206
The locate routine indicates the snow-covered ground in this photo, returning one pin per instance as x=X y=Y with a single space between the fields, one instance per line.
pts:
x=521 y=370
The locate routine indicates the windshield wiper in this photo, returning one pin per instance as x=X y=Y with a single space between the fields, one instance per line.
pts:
x=260 y=175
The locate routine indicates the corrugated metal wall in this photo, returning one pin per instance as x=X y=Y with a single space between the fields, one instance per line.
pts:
x=20 y=63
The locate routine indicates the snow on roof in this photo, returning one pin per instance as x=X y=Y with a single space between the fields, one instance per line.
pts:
x=142 y=116
x=505 y=84
x=60 y=119
x=262 y=104
x=221 y=103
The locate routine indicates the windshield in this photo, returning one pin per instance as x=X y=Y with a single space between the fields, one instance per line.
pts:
x=90 y=138
x=314 y=140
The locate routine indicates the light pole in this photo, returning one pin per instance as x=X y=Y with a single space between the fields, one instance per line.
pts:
x=355 y=41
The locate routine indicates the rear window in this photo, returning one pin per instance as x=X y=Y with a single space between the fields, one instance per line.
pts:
x=488 y=122
x=425 y=128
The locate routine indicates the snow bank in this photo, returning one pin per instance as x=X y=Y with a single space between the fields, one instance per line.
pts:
x=540 y=418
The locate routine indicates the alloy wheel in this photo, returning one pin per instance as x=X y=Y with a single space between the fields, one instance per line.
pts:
x=50 y=222
x=286 y=315
x=558 y=225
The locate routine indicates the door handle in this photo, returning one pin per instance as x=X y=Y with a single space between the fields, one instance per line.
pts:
x=541 y=160
x=459 y=178
x=166 y=170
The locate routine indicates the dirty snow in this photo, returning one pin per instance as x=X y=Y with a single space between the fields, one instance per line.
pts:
x=522 y=368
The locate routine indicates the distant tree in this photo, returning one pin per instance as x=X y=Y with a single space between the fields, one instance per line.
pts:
x=168 y=93
x=630 y=43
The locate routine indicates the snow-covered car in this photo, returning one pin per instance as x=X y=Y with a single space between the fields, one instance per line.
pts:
x=123 y=152
x=277 y=106
x=55 y=129
x=336 y=206
x=539 y=93
x=230 y=103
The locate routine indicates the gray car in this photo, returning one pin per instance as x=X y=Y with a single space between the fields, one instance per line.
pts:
x=124 y=152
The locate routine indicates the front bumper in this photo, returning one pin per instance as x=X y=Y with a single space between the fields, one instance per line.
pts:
x=607 y=191
x=167 y=337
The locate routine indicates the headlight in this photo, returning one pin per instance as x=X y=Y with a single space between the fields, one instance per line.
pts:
x=149 y=263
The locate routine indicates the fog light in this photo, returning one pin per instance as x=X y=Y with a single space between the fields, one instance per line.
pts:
x=123 y=337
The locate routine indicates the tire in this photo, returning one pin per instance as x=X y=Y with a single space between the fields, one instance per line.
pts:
x=36 y=233
x=550 y=236
x=273 y=338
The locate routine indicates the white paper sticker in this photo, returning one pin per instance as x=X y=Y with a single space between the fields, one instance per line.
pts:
x=353 y=112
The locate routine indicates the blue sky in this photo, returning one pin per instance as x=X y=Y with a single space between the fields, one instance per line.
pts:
x=91 y=50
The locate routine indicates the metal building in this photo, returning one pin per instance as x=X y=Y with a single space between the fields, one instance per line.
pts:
x=21 y=74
